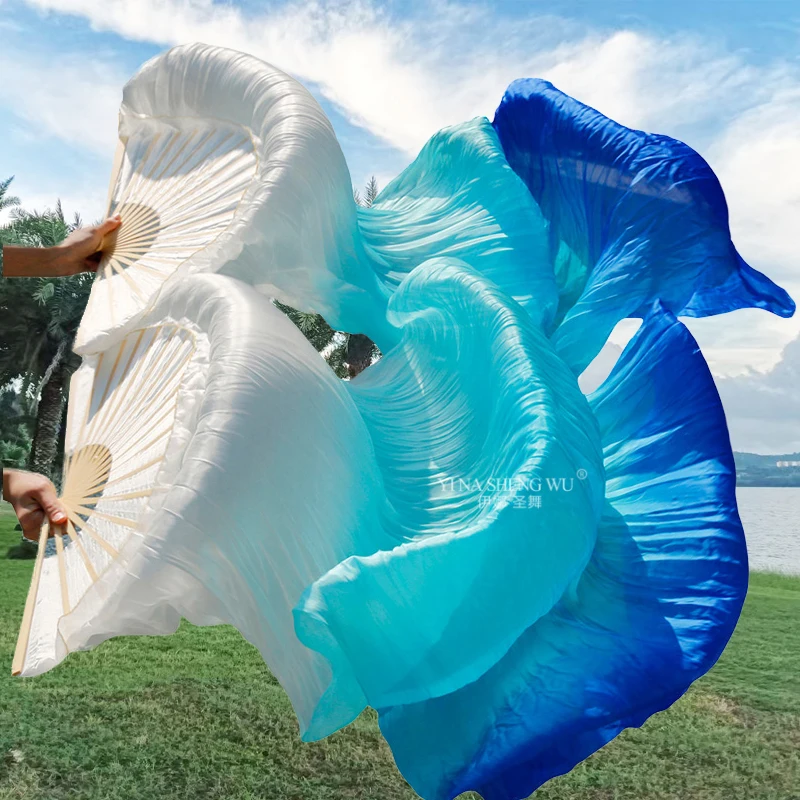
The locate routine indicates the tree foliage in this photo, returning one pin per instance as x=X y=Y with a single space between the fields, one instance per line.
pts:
x=359 y=350
x=16 y=429
x=7 y=200
x=39 y=320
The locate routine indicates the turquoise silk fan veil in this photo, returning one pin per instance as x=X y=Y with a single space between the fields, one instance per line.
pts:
x=509 y=571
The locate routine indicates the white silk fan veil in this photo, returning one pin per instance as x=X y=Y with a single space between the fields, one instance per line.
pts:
x=225 y=163
x=122 y=413
x=177 y=433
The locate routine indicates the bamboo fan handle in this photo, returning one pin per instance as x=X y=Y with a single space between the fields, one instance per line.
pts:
x=108 y=244
x=27 y=617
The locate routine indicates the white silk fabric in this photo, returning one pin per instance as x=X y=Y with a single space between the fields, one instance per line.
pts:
x=225 y=163
x=219 y=538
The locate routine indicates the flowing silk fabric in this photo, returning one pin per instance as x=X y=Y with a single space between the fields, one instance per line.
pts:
x=289 y=225
x=473 y=392
x=651 y=612
x=269 y=480
x=633 y=216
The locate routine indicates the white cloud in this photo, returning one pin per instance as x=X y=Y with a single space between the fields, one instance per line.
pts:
x=405 y=79
x=744 y=340
x=757 y=159
x=349 y=51
x=762 y=409
x=71 y=99
x=82 y=198
x=74 y=99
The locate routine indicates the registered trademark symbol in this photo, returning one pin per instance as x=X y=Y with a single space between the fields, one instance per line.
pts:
x=582 y=474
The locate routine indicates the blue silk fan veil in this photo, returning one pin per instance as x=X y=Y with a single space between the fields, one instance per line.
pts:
x=509 y=571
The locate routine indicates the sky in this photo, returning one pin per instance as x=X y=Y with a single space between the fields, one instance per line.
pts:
x=721 y=75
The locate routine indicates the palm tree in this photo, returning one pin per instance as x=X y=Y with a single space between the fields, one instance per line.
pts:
x=40 y=319
x=370 y=193
x=15 y=429
x=325 y=339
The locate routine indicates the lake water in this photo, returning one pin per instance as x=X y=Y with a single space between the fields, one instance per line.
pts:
x=771 y=519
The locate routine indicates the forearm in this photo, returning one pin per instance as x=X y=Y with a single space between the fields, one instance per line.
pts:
x=34 y=262
x=79 y=252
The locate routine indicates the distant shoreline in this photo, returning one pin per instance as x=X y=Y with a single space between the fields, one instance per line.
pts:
x=765 y=484
x=760 y=471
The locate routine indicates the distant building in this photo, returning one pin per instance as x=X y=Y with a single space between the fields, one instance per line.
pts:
x=787 y=464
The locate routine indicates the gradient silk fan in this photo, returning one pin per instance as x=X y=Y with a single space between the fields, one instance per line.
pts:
x=187 y=493
x=225 y=163
x=510 y=571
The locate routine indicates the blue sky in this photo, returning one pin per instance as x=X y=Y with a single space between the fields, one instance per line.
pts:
x=723 y=75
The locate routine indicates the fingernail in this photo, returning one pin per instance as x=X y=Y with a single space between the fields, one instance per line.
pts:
x=59 y=517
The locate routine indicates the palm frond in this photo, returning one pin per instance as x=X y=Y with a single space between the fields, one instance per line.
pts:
x=7 y=200
x=371 y=192
x=44 y=292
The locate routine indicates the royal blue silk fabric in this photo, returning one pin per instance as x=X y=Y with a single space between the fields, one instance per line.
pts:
x=632 y=217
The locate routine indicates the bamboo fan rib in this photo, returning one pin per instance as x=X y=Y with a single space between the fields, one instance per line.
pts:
x=119 y=427
x=177 y=187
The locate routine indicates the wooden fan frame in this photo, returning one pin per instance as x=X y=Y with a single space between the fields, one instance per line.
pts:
x=141 y=225
x=87 y=467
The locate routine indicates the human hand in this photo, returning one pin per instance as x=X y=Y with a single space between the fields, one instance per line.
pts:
x=80 y=251
x=32 y=496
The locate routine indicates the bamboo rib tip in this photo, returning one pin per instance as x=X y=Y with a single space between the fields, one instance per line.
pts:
x=27 y=617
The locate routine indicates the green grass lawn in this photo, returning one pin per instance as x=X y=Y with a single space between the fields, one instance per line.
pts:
x=198 y=715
